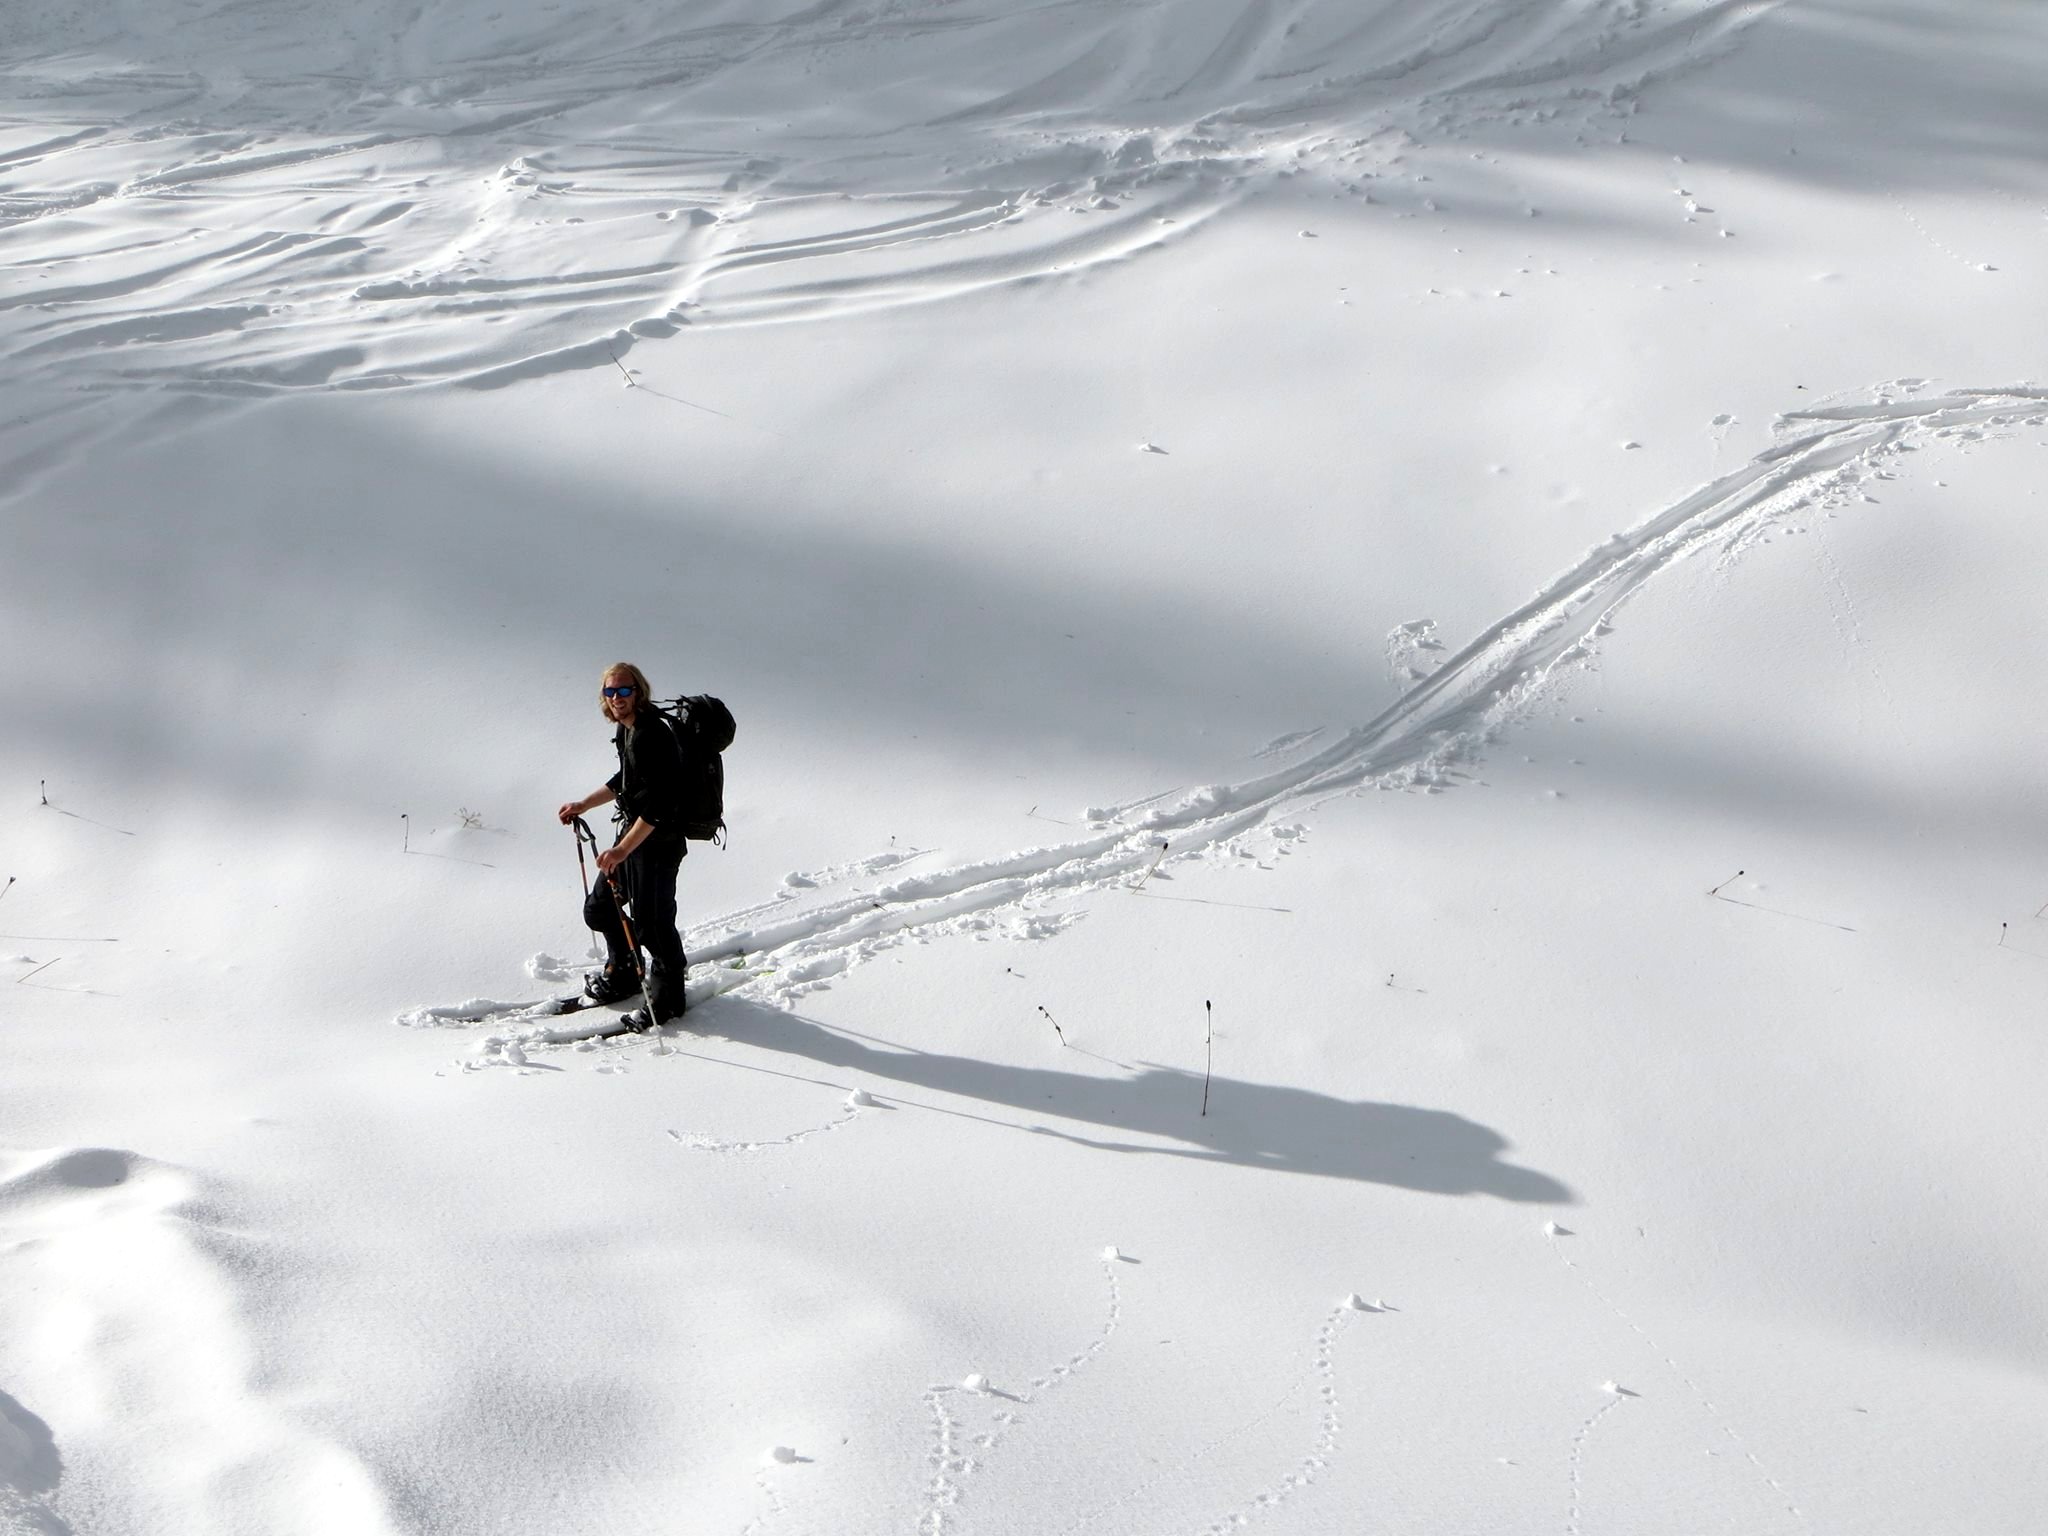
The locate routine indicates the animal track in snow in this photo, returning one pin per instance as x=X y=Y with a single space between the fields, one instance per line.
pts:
x=1322 y=1369
x=1726 y=1429
x=857 y=1102
x=1578 y=1460
x=950 y=1463
x=1329 y=1428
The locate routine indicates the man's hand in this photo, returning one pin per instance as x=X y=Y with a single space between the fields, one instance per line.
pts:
x=611 y=859
x=568 y=811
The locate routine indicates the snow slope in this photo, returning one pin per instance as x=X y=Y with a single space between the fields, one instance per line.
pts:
x=1387 y=871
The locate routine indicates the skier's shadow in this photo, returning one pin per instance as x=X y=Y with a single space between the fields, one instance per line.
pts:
x=1258 y=1125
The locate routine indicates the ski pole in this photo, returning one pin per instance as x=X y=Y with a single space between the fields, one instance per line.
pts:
x=583 y=834
x=619 y=904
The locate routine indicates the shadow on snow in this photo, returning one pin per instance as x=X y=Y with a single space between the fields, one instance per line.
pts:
x=1156 y=1110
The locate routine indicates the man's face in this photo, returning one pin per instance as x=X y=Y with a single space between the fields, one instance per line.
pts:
x=621 y=706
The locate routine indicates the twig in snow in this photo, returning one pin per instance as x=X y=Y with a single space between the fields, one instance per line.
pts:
x=2001 y=934
x=1163 y=846
x=1209 y=1068
x=1729 y=881
x=43 y=789
x=4 y=889
x=631 y=383
x=1055 y=1023
x=406 y=846
x=37 y=971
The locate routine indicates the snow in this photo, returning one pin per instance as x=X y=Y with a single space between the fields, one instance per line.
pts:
x=1387 y=651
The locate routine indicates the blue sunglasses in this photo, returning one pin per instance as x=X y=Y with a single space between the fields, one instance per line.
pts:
x=623 y=691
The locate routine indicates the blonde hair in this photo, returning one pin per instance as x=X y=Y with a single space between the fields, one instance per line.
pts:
x=643 y=691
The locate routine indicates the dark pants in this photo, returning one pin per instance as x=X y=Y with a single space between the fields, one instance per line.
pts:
x=648 y=881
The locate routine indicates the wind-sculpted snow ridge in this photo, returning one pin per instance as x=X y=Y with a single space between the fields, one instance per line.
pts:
x=249 y=196
x=1443 y=721
x=159 y=1381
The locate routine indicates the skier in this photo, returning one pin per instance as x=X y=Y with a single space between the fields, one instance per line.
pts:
x=648 y=854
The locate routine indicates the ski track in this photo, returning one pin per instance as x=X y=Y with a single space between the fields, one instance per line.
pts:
x=1781 y=1495
x=1423 y=739
x=390 y=195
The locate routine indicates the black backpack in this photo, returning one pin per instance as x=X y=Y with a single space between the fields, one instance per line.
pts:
x=703 y=728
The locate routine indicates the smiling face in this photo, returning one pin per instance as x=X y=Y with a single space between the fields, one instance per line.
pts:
x=623 y=706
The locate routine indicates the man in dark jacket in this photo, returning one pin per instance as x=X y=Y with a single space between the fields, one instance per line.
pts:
x=647 y=856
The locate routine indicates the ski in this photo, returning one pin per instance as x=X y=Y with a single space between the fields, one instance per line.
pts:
x=489 y=1011
x=725 y=960
x=574 y=1002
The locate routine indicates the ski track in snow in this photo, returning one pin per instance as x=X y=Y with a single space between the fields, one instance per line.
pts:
x=1422 y=740
x=1781 y=1495
x=270 y=196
